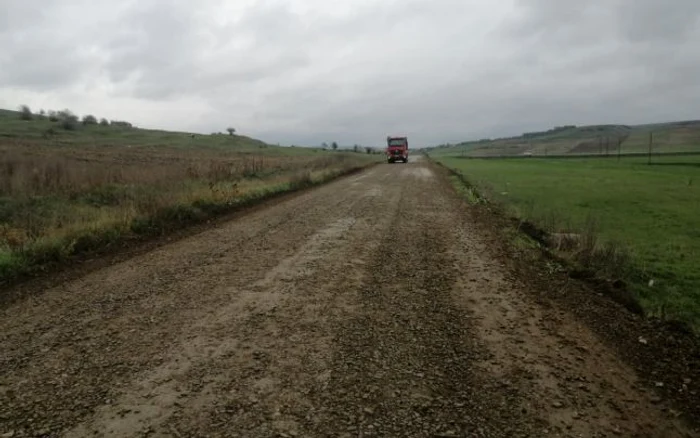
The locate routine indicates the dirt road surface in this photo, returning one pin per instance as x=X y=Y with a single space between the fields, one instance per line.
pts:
x=372 y=306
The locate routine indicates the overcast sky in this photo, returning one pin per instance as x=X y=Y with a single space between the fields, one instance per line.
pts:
x=355 y=71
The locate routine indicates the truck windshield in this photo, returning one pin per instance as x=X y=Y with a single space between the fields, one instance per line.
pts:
x=397 y=142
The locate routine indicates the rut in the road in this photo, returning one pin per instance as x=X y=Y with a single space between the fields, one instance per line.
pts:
x=404 y=364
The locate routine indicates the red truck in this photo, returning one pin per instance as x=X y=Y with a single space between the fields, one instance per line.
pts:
x=396 y=149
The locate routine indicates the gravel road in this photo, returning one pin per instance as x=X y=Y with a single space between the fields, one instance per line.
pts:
x=372 y=306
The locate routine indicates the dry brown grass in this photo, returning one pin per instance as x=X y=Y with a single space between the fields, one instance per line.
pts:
x=59 y=201
x=61 y=172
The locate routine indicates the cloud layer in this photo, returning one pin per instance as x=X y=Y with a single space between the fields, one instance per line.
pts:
x=308 y=71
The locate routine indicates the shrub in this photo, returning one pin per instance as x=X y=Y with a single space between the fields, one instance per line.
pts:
x=25 y=113
x=104 y=122
x=301 y=180
x=69 y=121
x=49 y=133
x=121 y=123
x=89 y=120
x=69 y=124
x=53 y=116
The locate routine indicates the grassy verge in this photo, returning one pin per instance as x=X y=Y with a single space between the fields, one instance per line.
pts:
x=41 y=232
x=624 y=220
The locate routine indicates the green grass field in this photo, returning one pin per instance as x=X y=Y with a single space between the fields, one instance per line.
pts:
x=65 y=192
x=654 y=211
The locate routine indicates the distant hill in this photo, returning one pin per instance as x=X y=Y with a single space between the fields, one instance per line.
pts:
x=67 y=128
x=683 y=136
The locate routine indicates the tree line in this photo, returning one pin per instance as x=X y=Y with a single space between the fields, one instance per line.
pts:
x=67 y=119
x=356 y=148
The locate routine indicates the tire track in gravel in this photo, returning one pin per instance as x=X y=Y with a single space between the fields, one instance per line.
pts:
x=405 y=362
x=186 y=379
x=285 y=346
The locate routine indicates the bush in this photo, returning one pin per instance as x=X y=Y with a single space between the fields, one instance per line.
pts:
x=66 y=113
x=89 y=120
x=53 y=116
x=301 y=180
x=25 y=113
x=104 y=122
x=49 y=133
x=121 y=123
x=69 y=121
x=69 y=124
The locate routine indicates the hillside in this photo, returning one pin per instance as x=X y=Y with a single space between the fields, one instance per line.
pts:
x=42 y=130
x=683 y=136
x=68 y=188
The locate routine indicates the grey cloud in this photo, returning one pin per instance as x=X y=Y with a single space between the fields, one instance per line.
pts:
x=567 y=27
x=17 y=16
x=160 y=44
x=653 y=20
x=173 y=52
x=42 y=69
x=33 y=55
x=307 y=71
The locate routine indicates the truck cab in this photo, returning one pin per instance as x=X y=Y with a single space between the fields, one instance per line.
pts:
x=396 y=149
